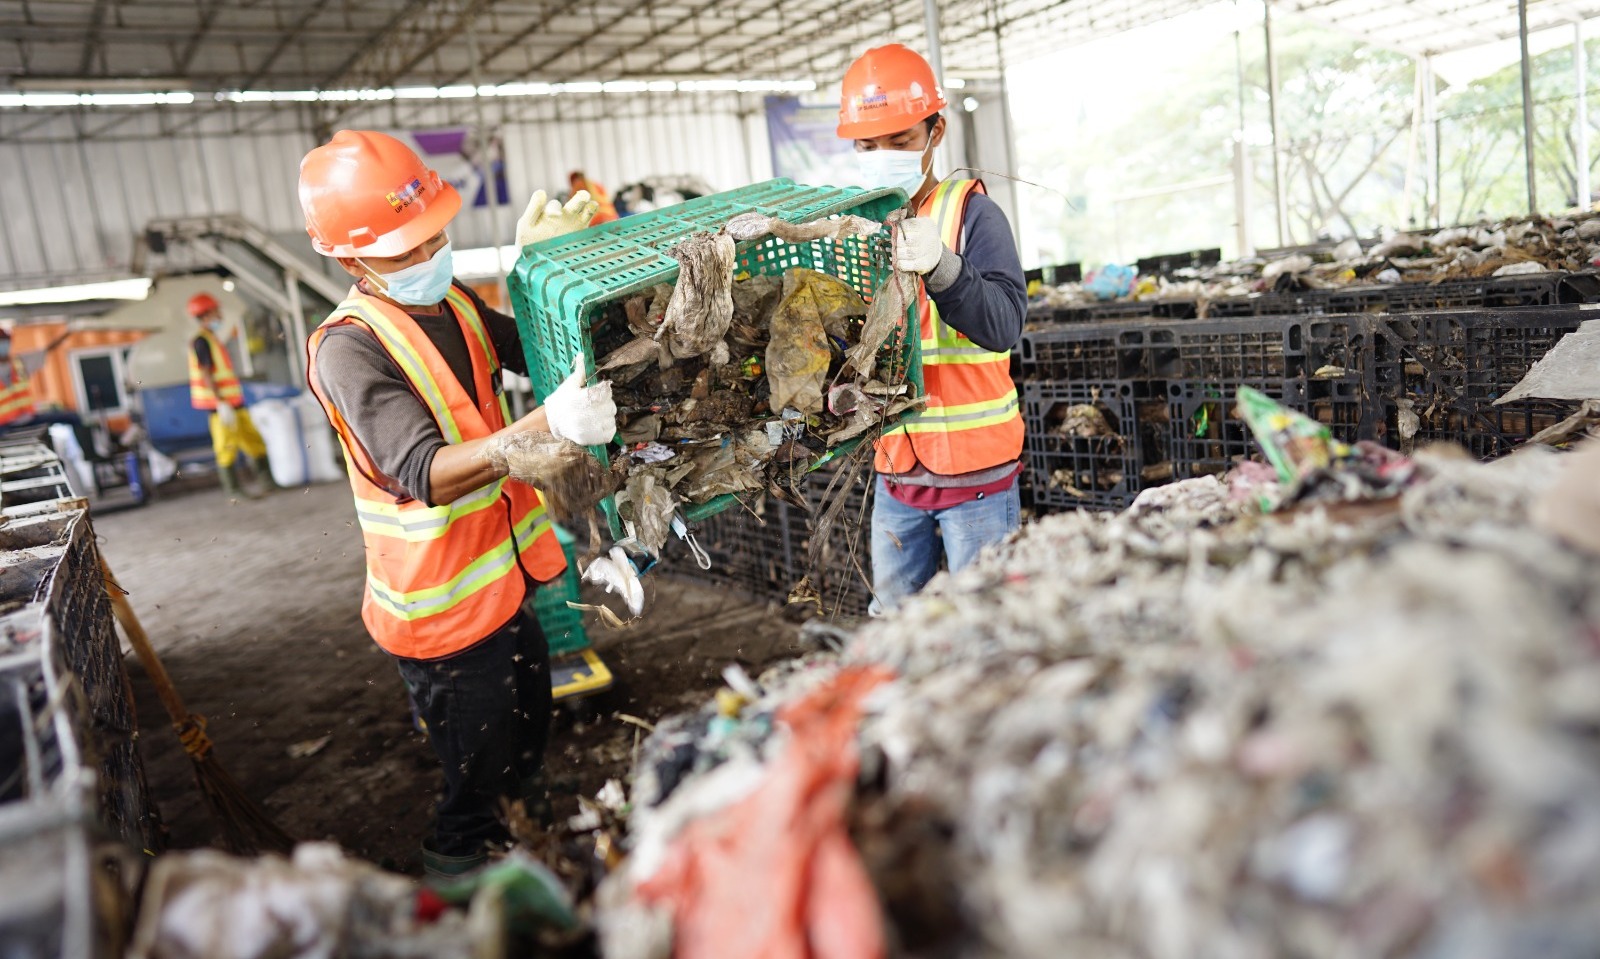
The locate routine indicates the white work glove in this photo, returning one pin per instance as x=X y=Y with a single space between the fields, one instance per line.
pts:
x=226 y=414
x=917 y=247
x=586 y=415
x=544 y=219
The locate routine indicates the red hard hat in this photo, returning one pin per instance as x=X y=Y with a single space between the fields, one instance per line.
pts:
x=367 y=194
x=887 y=90
x=202 y=303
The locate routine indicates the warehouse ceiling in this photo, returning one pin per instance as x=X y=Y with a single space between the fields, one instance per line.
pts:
x=223 y=45
x=213 y=46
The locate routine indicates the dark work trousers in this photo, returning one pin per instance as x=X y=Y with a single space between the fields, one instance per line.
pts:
x=488 y=714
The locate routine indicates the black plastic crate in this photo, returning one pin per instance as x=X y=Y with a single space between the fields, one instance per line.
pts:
x=1234 y=352
x=1330 y=361
x=1077 y=472
x=1504 y=292
x=1271 y=304
x=1127 y=310
x=1452 y=366
x=1097 y=352
x=1168 y=263
x=1205 y=434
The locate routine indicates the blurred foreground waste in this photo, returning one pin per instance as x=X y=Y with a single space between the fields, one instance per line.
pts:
x=1366 y=728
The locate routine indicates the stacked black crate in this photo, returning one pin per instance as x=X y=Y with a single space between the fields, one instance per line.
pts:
x=1447 y=368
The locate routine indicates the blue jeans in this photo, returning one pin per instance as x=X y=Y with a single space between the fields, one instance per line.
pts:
x=905 y=540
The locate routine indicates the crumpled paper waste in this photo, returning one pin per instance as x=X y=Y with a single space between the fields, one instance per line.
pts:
x=1186 y=733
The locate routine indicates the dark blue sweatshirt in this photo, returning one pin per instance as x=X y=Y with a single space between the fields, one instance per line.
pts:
x=981 y=293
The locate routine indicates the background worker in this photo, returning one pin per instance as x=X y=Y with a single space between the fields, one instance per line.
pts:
x=408 y=370
x=605 y=210
x=214 y=386
x=952 y=472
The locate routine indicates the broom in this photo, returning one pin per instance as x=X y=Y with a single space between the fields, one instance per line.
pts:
x=243 y=826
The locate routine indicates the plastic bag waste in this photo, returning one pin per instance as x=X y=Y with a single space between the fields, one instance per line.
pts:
x=1110 y=281
x=776 y=875
x=701 y=306
x=753 y=226
x=205 y=904
x=647 y=506
x=799 y=352
x=617 y=574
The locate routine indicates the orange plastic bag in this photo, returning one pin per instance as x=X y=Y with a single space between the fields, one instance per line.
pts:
x=776 y=876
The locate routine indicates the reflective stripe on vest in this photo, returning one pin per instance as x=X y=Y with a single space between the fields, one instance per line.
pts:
x=16 y=400
x=200 y=395
x=972 y=419
x=440 y=578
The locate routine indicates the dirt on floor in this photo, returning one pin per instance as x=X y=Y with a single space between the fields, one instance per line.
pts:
x=254 y=607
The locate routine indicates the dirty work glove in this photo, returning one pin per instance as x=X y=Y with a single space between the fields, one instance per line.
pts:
x=918 y=248
x=544 y=219
x=226 y=414
x=586 y=415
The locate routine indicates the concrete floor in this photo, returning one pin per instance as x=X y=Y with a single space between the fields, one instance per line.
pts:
x=255 y=608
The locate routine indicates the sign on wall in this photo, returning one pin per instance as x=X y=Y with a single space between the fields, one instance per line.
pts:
x=805 y=146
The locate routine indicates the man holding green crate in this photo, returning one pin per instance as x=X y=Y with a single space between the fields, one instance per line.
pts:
x=407 y=369
x=950 y=474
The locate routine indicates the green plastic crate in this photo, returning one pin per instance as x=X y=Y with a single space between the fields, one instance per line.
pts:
x=560 y=287
x=562 y=625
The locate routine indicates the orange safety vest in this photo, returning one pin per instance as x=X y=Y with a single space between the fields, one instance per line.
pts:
x=200 y=395
x=972 y=420
x=439 y=578
x=16 y=400
x=608 y=210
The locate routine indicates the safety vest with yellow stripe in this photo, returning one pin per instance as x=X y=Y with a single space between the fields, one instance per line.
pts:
x=972 y=420
x=200 y=395
x=16 y=400
x=439 y=578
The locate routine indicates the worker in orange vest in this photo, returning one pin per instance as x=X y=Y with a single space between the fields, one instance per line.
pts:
x=214 y=387
x=606 y=211
x=16 y=394
x=408 y=368
x=950 y=475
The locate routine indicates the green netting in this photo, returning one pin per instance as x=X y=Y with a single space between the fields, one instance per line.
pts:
x=561 y=287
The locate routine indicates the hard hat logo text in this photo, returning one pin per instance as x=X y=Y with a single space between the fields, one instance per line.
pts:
x=406 y=195
x=870 y=102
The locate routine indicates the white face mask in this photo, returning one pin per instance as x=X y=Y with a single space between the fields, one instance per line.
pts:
x=894 y=169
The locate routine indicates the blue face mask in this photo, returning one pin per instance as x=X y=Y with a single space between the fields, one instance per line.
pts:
x=893 y=169
x=421 y=284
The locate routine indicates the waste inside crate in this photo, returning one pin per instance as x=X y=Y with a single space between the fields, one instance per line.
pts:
x=592 y=293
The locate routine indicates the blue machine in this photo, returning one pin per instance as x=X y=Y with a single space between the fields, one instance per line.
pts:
x=181 y=431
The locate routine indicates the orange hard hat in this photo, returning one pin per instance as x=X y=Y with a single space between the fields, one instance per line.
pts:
x=887 y=90
x=202 y=303
x=368 y=194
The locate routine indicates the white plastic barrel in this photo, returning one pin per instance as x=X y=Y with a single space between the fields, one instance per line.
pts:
x=300 y=443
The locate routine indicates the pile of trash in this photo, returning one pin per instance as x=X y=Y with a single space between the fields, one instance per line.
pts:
x=741 y=387
x=1365 y=725
x=1512 y=247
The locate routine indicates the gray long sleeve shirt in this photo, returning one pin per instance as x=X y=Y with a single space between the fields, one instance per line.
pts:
x=388 y=419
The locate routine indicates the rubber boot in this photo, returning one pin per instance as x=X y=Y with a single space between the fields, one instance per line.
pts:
x=264 y=471
x=230 y=481
x=438 y=866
